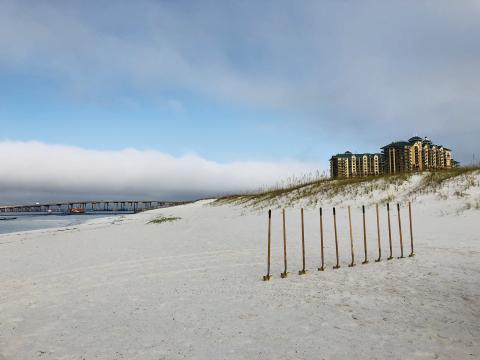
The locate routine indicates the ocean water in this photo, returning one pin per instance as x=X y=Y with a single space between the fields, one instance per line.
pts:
x=36 y=222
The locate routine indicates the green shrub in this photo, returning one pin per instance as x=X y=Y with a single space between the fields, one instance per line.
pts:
x=163 y=219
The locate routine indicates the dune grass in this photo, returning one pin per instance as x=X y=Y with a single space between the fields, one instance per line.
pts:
x=434 y=180
x=163 y=219
x=313 y=190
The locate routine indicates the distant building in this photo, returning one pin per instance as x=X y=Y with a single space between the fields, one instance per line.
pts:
x=350 y=165
x=416 y=154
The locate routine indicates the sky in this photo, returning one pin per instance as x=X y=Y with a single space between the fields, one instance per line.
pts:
x=184 y=99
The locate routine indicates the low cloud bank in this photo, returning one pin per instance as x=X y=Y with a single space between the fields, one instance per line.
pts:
x=35 y=171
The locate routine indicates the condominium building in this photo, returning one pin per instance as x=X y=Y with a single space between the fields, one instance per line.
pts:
x=350 y=165
x=416 y=154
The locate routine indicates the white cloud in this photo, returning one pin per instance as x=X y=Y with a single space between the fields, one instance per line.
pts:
x=38 y=171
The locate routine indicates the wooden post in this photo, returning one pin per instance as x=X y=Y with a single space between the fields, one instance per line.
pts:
x=337 y=266
x=364 y=236
x=322 y=268
x=389 y=232
x=268 y=276
x=378 y=235
x=285 y=273
x=411 y=231
x=351 y=237
x=303 y=271
x=400 y=231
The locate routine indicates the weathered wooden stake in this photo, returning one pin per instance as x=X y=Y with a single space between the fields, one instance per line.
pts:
x=411 y=231
x=303 y=271
x=285 y=273
x=389 y=232
x=351 y=238
x=337 y=266
x=322 y=268
x=378 y=235
x=400 y=231
x=364 y=236
x=268 y=276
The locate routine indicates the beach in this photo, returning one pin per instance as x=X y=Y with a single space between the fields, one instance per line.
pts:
x=124 y=288
x=239 y=180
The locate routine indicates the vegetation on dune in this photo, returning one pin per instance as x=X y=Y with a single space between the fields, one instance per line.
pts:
x=434 y=180
x=163 y=219
x=312 y=191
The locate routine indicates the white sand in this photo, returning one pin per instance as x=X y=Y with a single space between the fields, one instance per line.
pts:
x=191 y=289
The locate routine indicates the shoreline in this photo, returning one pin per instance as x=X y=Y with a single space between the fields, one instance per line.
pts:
x=33 y=223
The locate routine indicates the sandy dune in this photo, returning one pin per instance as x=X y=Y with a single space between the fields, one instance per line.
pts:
x=124 y=289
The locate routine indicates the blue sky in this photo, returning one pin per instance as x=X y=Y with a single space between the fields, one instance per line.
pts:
x=274 y=82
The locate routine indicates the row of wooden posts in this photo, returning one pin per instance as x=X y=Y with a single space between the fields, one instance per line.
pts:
x=337 y=265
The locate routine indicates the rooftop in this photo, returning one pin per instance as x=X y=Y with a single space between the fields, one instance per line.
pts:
x=415 y=139
x=396 y=143
x=348 y=154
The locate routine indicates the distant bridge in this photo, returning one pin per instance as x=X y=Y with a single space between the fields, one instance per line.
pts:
x=87 y=207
